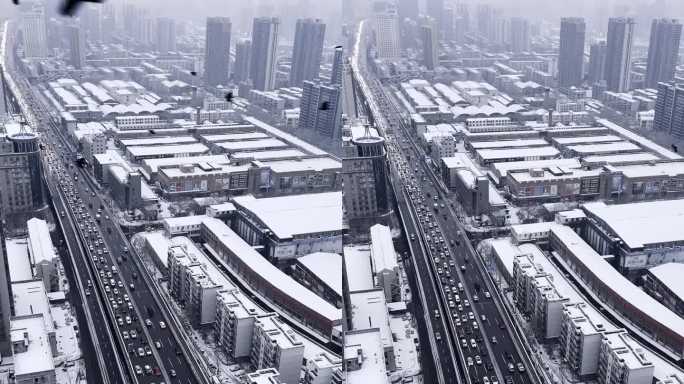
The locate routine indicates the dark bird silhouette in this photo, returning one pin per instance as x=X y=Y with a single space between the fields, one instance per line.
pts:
x=152 y=131
x=69 y=6
x=674 y=148
x=229 y=97
x=193 y=73
x=324 y=106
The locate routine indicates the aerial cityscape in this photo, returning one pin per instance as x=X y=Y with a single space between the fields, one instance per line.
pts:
x=341 y=191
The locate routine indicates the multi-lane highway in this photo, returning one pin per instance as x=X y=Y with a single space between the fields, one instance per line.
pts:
x=456 y=288
x=141 y=326
x=94 y=313
x=134 y=337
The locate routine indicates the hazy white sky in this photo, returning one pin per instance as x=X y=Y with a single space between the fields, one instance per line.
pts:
x=551 y=9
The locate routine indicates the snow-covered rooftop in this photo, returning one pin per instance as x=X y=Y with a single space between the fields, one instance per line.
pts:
x=670 y=274
x=160 y=150
x=367 y=345
x=520 y=143
x=37 y=357
x=316 y=164
x=158 y=141
x=642 y=224
x=502 y=154
x=18 y=260
x=269 y=272
x=39 y=241
x=267 y=143
x=327 y=266
x=30 y=298
x=383 y=254
x=617 y=147
x=642 y=157
x=323 y=212
x=357 y=263
x=368 y=309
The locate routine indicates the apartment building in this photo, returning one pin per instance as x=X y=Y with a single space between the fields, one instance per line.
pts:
x=472 y=186
x=264 y=376
x=541 y=292
x=583 y=328
x=622 y=361
x=194 y=281
x=236 y=315
x=93 y=145
x=323 y=369
x=276 y=345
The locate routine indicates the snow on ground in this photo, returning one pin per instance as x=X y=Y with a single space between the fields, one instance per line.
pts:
x=67 y=341
x=403 y=329
x=69 y=364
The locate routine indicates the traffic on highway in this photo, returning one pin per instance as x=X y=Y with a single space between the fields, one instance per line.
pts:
x=124 y=313
x=476 y=328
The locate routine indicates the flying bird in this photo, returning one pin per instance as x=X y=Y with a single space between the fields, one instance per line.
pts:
x=229 y=97
x=324 y=106
x=69 y=6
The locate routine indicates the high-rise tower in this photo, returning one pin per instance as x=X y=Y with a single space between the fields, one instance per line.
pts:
x=571 y=55
x=307 y=51
x=217 y=51
x=264 y=56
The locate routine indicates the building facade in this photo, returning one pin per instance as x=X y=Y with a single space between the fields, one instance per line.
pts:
x=236 y=315
x=264 y=53
x=597 y=61
x=669 y=109
x=364 y=177
x=429 y=35
x=663 y=50
x=570 y=58
x=243 y=54
x=217 y=51
x=76 y=46
x=307 y=51
x=23 y=191
x=276 y=345
x=321 y=109
x=34 y=30
x=663 y=283
x=619 y=53
x=387 y=34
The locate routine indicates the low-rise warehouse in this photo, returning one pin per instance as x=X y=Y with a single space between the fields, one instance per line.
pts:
x=489 y=156
x=268 y=222
x=640 y=235
x=139 y=153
